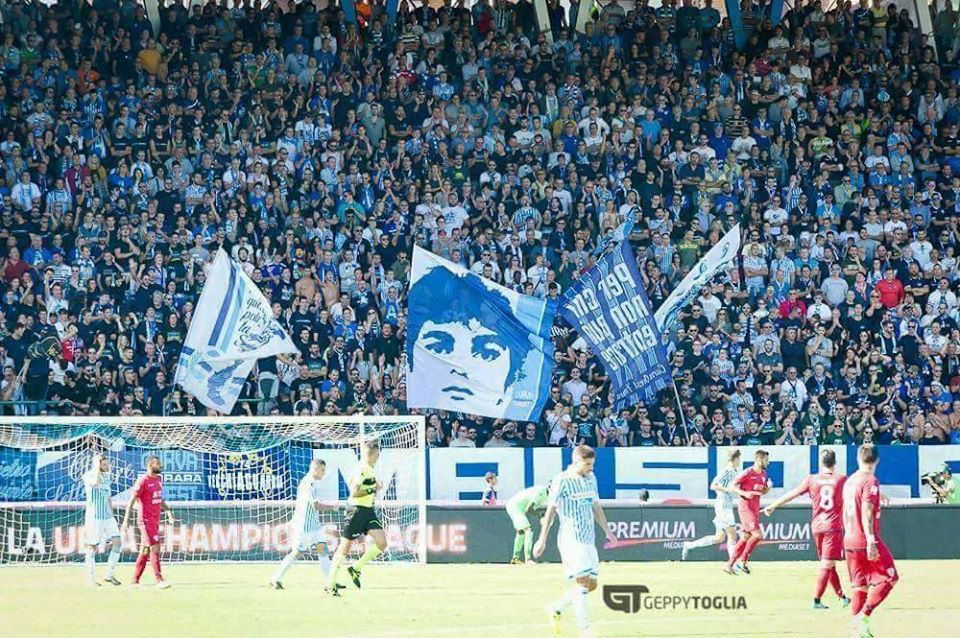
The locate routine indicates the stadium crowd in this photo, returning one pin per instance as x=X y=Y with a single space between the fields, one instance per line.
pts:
x=317 y=152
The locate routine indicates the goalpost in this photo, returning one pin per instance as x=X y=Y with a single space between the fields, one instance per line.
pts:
x=231 y=482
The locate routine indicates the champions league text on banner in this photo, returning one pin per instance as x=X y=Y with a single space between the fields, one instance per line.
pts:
x=610 y=310
x=474 y=346
x=232 y=327
x=703 y=271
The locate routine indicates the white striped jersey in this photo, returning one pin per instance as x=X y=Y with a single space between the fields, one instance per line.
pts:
x=726 y=500
x=305 y=515
x=97 y=491
x=574 y=496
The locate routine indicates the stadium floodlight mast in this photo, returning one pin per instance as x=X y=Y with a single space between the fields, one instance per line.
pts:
x=231 y=481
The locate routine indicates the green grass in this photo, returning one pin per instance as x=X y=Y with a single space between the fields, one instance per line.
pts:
x=489 y=601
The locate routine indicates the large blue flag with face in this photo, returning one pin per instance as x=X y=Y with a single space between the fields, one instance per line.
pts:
x=608 y=306
x=474 y=346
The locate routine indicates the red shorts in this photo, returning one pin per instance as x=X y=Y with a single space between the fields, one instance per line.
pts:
x=749 y=520
x=829 y=545
x=865 y=572
x=148 y=533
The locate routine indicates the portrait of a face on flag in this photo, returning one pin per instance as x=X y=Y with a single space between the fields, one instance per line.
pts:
x=474 y=346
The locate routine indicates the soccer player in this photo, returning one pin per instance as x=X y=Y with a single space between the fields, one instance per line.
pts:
x=723 y=519
x=306 y=527
x=573 y=498
x=531 y=499
x=100 y=526
x=362 y=519
x=489 y=496
x=749 y=485
x=825 y=490
x=148 y=493
x=873 y=573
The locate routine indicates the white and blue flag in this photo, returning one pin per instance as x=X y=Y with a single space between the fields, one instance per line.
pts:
x=702 y=272
x=233 y=326
x=474 y=346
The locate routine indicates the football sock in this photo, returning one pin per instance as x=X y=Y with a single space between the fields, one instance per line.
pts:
x=857 y=598
x=751 y=543
x=876 y=595
x=578 y=598
x=90 y=562
x=285 y=564
x=325 y=565
x=372 y=552
x=737 y=551
x=337 y=564
x=112 y=561
x=823 y=579
x=835 y=581
x=731 y=547
x=517 y=544
x=139 y=567
x=706 y=541
x=155 y=563
x=528 y=545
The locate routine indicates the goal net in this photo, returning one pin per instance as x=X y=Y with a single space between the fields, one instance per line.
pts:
x=231 y=482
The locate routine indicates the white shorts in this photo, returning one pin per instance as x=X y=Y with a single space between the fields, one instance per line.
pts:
x=578 y=559
x=518 y=518
x=723 y=518
x=305 y=541
x=99 y=532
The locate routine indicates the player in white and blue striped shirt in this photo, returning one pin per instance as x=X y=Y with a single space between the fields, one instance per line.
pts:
x=306 y=527
x=100 y=525
x=575 y=501
x=723 y=507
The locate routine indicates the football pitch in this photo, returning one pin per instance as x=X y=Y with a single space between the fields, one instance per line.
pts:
x=490 y=601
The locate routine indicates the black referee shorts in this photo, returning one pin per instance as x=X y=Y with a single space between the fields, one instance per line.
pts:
x=360 y=520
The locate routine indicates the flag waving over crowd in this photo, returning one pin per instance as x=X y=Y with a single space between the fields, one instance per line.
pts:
x=474 y=346
x=703 y=271
x=232 y=327
x=609 y=308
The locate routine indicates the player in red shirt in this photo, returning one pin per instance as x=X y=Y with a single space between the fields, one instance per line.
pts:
x=148 y=492
x=872 y=571
x=750 y=485
x=825 y=490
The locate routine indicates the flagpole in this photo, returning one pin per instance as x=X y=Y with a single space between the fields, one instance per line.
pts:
x=676 y=393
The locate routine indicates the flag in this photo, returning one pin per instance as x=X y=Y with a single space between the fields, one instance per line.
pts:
x=232 y=327
x=703 y=271
x=620 y=233
x=608 y=306
x=474 y=346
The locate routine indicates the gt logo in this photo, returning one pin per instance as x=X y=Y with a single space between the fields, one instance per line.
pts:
x=625 y=598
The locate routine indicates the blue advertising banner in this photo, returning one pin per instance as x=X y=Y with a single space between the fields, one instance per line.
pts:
x=454 y=474
x=247 y=476
x=609 y=308
x=17 y=472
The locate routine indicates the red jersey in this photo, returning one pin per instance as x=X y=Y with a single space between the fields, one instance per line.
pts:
x=891 y=292
x=860 y=490
x=149 y=491
x=826 y=497
x=750 y=480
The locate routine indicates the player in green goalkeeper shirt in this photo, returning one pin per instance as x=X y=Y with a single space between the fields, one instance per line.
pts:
x=531 y=499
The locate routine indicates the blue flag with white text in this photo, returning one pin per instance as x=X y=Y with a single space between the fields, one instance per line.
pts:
x=608 y=306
